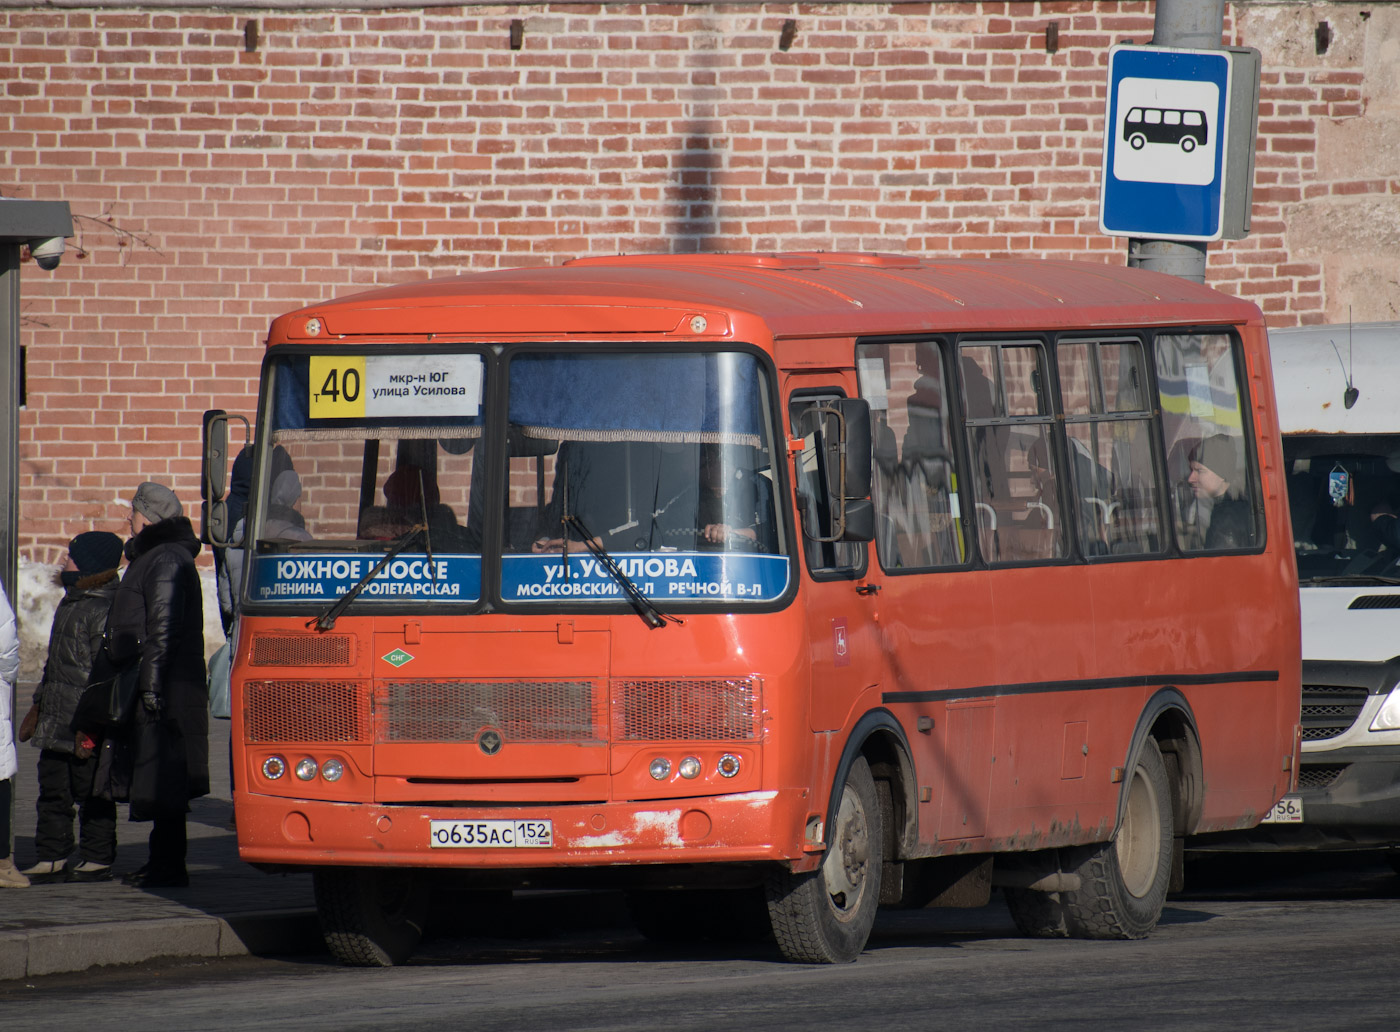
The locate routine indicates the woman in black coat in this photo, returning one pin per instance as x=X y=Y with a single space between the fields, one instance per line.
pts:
x=158 y=622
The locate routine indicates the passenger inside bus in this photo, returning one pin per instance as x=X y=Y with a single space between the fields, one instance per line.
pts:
x=1216 y=467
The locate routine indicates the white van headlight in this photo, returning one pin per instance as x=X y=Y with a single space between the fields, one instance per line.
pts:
x=1388 y=717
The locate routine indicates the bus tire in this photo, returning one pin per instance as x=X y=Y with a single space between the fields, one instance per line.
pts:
x=1188 y=144
x=1123 y=883
x=370 y=917
x=825 y=916
x=1037 y=915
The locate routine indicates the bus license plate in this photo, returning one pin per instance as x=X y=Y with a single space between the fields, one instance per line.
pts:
x=1288 y=810
x=490 y=834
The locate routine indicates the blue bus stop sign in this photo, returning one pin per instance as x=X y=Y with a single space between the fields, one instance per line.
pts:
x=1165 y=143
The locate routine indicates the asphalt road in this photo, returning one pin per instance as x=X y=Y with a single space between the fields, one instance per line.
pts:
x=1257 y=943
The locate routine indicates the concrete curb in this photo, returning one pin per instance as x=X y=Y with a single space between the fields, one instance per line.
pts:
x=64 y=950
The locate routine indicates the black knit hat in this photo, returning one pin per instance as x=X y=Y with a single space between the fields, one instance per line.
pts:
x=95 y=551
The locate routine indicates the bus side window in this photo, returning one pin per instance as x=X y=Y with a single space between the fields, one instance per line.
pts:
x=1113 y=461
x=1009 y=418
x=815 y=488
x=916 y=480
x=1204 y=431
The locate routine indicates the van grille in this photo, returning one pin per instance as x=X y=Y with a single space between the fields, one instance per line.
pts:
x=1320 y=776
x=1375 y=602
x=294 y=650
x=304 y=711
x=458 y=711
x=686 y=711
x=1330 y=709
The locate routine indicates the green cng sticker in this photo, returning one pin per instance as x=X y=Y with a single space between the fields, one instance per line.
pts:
x=398 y=657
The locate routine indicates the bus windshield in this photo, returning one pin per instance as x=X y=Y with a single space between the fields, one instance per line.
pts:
x=641 y=453
x=626 y=452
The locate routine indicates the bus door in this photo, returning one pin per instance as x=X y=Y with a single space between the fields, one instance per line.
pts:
x=844 y=645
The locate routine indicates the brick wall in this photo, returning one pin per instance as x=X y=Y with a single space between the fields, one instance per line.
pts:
x=216 y=183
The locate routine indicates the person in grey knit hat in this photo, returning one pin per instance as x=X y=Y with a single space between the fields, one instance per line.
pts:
x=157 y=626
x=156 y=502
x=1217 y=465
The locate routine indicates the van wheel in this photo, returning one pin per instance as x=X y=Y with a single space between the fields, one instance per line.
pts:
x=1137 y=141
x=1188 y=144
x=825 y=916
x=1123 y=883
x=371 y=917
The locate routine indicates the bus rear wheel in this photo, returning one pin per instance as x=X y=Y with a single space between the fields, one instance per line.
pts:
x=371 y=917
x=825 y=916
x=1123 y=883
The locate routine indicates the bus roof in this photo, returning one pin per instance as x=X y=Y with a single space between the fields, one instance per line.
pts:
x=1313 y=366
x=795 y=295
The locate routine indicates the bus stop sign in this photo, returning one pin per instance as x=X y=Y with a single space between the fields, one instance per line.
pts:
x=1176 y=123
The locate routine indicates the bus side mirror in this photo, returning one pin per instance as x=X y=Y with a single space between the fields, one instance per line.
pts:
x=856 y=448
x=860 y=521
x=213 y=480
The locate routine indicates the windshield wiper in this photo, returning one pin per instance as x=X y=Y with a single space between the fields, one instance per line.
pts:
x=327 y=620
x=1343 y=579
x=646 y=609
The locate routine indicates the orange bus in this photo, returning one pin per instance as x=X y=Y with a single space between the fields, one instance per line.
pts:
x=767 y=588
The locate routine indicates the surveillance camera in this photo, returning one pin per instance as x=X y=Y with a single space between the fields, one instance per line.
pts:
x=46 y=253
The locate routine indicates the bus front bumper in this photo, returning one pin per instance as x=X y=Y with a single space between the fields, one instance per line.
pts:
x=750 y=826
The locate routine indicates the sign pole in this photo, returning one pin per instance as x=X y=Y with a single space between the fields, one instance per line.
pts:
x=1197 y=25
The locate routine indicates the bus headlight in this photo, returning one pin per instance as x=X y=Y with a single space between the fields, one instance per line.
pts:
x=689 y=768
x=728 y=765
x=1388 y=717
x=306 y=769
x=331 y=770
x=274 y=767
x=660 y=768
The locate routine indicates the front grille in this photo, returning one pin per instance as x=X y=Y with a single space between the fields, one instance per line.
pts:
x=1375 y=602
x=305 y=711
x=294 y=650
x=1330 y=709
x=458 y=711
x=1320 y=776
x=686 y=711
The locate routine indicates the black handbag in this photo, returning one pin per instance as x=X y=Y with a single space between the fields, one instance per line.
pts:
x=109 y=700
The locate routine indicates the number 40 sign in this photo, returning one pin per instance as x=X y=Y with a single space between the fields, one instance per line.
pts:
x=379 y=386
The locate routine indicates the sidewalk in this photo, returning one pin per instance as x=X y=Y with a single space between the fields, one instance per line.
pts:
x=229 y=908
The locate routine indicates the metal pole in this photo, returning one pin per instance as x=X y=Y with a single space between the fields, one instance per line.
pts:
x=1191 y=25
x=9 y=459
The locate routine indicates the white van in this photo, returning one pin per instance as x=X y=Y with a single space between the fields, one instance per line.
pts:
x=1338 y=393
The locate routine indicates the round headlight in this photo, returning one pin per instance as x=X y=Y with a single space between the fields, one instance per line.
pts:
x=660 y=768
x=306 y=769
x=313 y=327
x=728 y=765
x=690 y=768
x=274 y=767
x=331 y=770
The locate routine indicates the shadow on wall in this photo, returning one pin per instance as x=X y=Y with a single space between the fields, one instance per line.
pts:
x=39 y=594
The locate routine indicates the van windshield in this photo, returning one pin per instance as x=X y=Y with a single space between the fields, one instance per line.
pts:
x=1344 y=497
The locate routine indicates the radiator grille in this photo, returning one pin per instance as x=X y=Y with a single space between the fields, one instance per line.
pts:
x=294 y=650
x=686 y=711
x=458 y=711
x=305 y=711
x=1320 y=776
x=1330 y=709
x=1375 y=602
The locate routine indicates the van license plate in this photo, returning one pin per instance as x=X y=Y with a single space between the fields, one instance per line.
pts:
x=490 y=834
x=1288 y=810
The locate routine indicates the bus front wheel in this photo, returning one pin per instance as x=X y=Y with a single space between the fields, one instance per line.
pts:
x=825 y=916
x=1137 y=141
x=1123 y=883
x=370 y=917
